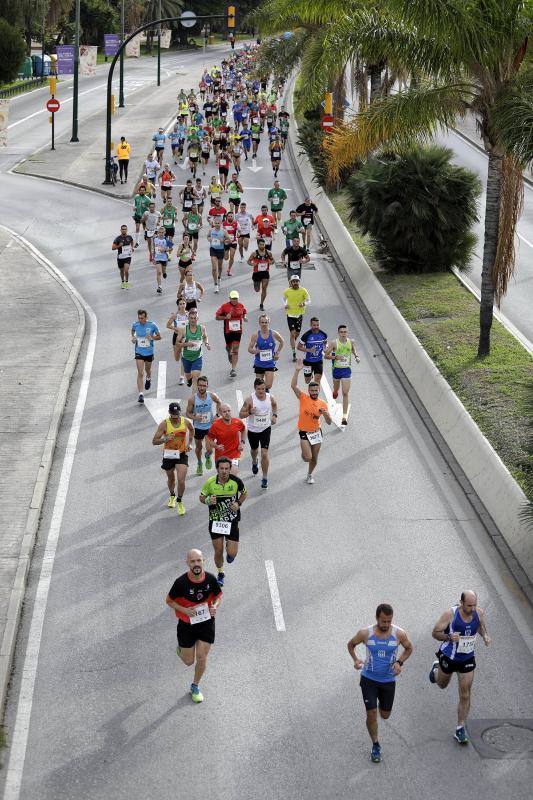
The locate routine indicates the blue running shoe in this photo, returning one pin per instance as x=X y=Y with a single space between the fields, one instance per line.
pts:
x=220 y=578
x=460 y=735
x=255 y=469
x=375 y=753
x=264 y=483
x=432 y=671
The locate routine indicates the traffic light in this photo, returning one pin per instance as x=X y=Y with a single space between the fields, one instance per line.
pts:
x=231 y=16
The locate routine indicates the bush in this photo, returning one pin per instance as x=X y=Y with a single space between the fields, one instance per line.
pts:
x=418 y=208
x=12 y=51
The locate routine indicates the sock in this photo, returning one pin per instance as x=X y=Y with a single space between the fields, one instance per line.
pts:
x=194 y=686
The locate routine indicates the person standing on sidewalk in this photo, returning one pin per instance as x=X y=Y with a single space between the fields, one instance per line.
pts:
x=123 y=155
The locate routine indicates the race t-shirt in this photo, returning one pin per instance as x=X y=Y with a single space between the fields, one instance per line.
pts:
x=276 y=198
x=227 y=435
x=125 y=244
x=226 y=494
x=237 y=313
x=294 y=297
x=309 y=417
x=189 y=593
x=144 y=346
x=317 y=340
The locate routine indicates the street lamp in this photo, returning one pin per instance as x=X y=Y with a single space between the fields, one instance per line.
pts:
x=159 y=45
x=121 y=83
x=74 y=137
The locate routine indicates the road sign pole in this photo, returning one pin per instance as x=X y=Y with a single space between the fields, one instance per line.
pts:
x=53 y=126
x=121 y=83
x=74 y=137
x=159 y=47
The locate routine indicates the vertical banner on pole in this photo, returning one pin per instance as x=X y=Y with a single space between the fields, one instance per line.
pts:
x=111 y=43
x=4 y=114
x=65 y=59
x=165 y=38
x=133 y=48
x=88 y=55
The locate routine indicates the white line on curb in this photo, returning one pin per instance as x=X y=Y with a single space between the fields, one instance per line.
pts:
x=161 y=379
x=274 y=594
x=19 y=740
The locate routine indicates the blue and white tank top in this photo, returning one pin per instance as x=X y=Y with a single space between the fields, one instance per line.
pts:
x=463 y=650
x=380 y=656
x=205 y=408
x=217 y=238
x=265 y=358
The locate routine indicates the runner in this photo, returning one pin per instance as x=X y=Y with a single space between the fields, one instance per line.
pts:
x=265 y=225
x=312 y=408
x=236 y=152
x=306 y=211
x=265 y=345
x=217 y=238
x=294 y=256
x=261 y=412
x=176 y=143
x=175 y=433
x=217 y=211
x=201 y=410
x=162 y=247
x=150 y=220
x=283 y=118
x=190 y=290
x=193 y=223
x=226 y=437
x=275 y=154
x=151 y=168
x=205 y=152
x=195 y=598
x=191 y=343
x=457 y=629
x=296 y=298
x=186 y=198
x=193 y=154
x=141 y=204
x=176 y=323
x=244 y=222
x=199 y=193
x=340 y=352
x=168 y=218
x=143 y=335
x=166 y=179
x=223 y=163
x=124 y=245
x=230 y=247
x=235 y=191
x=224 y=494
x=246 y=139
x=185 y=255
x=215 y=190
x=234 y=314
x=380 y=668
x=276 y=198
x=159 y=140
x=313 y=343
x=292 y=228
x=255 y=129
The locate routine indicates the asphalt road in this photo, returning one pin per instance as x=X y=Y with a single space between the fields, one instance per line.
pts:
x=110 y=716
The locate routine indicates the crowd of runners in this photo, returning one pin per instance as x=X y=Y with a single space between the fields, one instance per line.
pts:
x=218 y=128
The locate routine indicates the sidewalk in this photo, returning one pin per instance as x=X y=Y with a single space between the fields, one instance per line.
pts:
x=46 y=326
x=83 y=164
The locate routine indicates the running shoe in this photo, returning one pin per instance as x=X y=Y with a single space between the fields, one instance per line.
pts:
x=432 y=672
x=181 y=380
x=220 y=578
x=460 y=735
x=216 y=289
x=344 y=421
x=335 y=395
x=159 y=290
x=189 y=382
x=171 y=501
x=264 y=483
x=208 y=462
x=147 y=384
x=261 y=307
x=123 y=285
x=375 y=753
x=200 y=468
x=164 y=275
x=140 y=398
x=229 y=273
x=136 y=245
x=255 y=469
x=196 y=695
x=233 y=373
x=310 y=479
x=126 y=284
x=181 y=508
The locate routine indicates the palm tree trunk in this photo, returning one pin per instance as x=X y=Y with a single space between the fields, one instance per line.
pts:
x=490 y=246
x=375 y=81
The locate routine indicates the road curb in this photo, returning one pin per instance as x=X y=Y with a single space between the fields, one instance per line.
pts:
x=500 y=496
x=16 y=600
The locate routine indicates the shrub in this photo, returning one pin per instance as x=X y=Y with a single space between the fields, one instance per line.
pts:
x=418 y=208
x=12 y=51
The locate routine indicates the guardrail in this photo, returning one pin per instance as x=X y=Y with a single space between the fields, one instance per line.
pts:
x=25 y=85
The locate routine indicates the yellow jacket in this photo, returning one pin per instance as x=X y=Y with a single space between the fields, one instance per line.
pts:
x=123 y=150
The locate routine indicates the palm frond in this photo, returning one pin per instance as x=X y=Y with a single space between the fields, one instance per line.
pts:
x=512 y=118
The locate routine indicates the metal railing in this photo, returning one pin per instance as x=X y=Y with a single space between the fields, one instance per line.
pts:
x=25 y=85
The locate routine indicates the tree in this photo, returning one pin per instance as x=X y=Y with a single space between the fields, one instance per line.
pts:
x=468 y=56
x=169 y=8
x=12 y=51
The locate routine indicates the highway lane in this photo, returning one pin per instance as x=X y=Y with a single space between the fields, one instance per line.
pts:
x=386 y=520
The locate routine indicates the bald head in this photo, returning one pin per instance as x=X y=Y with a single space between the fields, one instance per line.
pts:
x=469 y=601
x=225 y=412
x=195 y=561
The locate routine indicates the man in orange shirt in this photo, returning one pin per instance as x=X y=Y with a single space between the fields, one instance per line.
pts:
x=227 y=437
x=266 y=226
x=312 y=408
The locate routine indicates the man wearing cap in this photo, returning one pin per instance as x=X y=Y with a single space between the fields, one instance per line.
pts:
x=233 y=313
x=159 y=139
x=175 y=433
x=296 y=298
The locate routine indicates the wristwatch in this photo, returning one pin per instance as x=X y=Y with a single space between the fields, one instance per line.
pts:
x=399 y=661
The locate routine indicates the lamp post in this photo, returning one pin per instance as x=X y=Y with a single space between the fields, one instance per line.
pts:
x=74 y=137
x=159 y=45
x=121 y=82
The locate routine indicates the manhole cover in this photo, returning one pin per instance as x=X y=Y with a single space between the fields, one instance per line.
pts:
x=502 y=738
x=509 y=739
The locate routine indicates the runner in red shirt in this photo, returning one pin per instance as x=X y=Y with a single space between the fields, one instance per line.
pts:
x=265 y=224
x=227 y=436
x=234 y=314
x=261 y=261
x=216 y=210
x=223 y=164
x=230 y=248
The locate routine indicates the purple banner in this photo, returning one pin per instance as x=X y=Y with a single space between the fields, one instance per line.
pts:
x=111 y=43
x=65 y=59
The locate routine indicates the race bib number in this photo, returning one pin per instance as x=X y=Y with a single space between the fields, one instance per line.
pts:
x=275 y=199
x=166 y=185
x=466 y=644
x=276 y=154
x=234 y=325
x=221 y=526
x=255 y=120
x=265 y=355
x=172 y=453
x=308 y=370
x=143 y=342
x=159 y=248
x=187 y=203
x=306 y=220
x=314 y=437
x=342 y=361
x=201 y=614
x=194 y=345
x=168 y=223
x=126 y=251
x=262 y=420
x=193 y=226
x=150 y=234
x=205 y=418
x=234 y=462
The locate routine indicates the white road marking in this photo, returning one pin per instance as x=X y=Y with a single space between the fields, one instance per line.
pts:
x=254 y=168
x=161 y=379
x=335 y=409
x=240 y=399
x=45 y=111
x=19 y=739
x=274 y=594
x=158 y=407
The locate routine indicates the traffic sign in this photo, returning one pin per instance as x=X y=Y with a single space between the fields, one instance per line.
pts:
x=53 y=105
x=327 y=122
x=188 y=19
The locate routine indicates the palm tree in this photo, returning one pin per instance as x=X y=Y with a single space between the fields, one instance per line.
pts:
x=468 y=56
x=513 y=117
x=165 y=8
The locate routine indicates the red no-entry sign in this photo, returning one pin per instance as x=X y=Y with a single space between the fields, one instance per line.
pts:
x=53 y=105
x=327 y=122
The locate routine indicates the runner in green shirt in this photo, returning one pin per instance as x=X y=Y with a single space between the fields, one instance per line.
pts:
x=141 y=203
x=291 y=227
x=276 y=198
x=168 y=217
x=193 y=223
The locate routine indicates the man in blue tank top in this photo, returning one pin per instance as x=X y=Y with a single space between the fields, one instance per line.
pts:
x=202 y=407
x=380 y=668
x=265 y=346
x=457 y=629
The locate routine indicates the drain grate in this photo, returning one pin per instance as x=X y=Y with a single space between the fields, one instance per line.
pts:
x=502 y=738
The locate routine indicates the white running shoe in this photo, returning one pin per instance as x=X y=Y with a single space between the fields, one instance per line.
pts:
x=310 y=479
x=181 y=380
x=216 y=289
